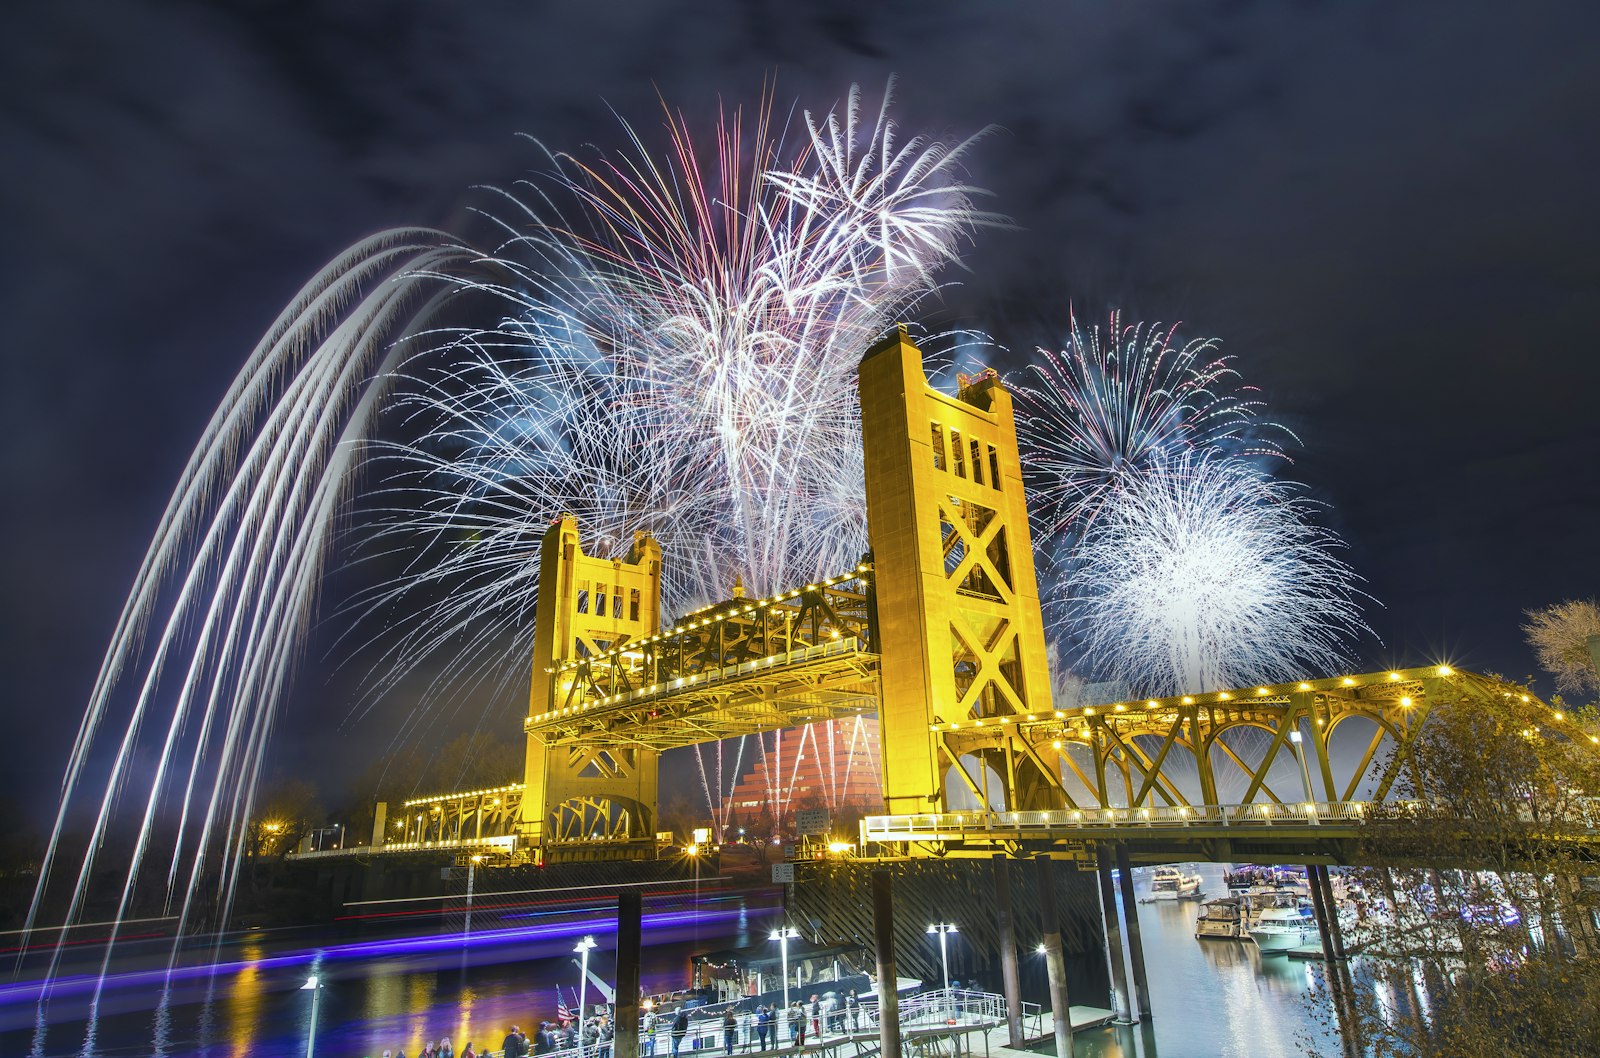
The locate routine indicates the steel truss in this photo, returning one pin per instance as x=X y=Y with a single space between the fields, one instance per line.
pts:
x=739 y=667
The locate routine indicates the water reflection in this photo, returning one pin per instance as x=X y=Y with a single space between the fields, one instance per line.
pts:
x=377 y=996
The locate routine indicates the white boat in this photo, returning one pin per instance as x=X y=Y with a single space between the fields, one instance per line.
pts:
x=1221 y=920
x=1169 y=883
x=1282 y=928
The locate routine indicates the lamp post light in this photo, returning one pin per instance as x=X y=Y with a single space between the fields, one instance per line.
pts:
x=782 y=935
x=583 y=948
x=1305 y=772
x=944 y=929
x=472 y=868
x=316 y=994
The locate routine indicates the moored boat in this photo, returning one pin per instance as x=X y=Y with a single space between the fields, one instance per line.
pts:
x=1282 y=928
x=1221 y=920
x=1170 y=883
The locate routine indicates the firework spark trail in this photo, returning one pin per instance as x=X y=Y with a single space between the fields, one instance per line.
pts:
x=231 y=573
x=1202 y=573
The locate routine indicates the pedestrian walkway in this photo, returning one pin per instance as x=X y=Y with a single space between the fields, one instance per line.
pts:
x=939 y=1024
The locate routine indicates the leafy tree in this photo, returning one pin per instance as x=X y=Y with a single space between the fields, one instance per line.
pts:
x=1559 y=636
x=285 y=811
x=1484 y=889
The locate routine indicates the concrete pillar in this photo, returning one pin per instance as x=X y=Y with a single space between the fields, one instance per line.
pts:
x=1333 y=913
x=1322 y=913
x=1006 y=922
x=1054 y=957
x=630 y=937
x=1114 y=951
x=1130 y=921
x=883 y=935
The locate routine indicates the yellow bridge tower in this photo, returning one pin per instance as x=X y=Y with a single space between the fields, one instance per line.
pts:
x=962 y=640
x=576 y=791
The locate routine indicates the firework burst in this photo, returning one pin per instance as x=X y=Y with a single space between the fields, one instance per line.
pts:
x=1201 y=573
x=676 y=354
x=1115 y=401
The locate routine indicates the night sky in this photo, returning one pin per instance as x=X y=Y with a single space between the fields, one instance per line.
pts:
x=1386 y=212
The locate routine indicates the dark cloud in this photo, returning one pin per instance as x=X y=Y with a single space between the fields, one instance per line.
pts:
x=1385 y=211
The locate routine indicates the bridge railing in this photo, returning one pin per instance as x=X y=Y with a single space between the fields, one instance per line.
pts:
x=929 y=826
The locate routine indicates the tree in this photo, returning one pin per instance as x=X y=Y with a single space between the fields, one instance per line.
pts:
x=285 y=811
x=1484 y=887
x=1559 y=636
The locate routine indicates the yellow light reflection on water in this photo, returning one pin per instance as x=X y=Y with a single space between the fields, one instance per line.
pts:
x=244 y=1004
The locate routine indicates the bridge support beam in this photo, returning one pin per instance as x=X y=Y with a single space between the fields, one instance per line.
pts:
x=630 y=939
x=1130 y=919
x=1006 y=924
x=1054 y=956
x=883 y=935
x=1116 y=954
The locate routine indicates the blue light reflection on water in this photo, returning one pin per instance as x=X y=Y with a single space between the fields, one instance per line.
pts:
x=1213 y=999
x=384 y=994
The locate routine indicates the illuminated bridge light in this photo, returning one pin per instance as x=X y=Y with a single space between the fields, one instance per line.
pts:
x=1394 y=676
x=1305 y=686
x=1262 y=690
x=1446 y=670
x=1151 y=704
x=1188 y=700
x=1348 y=681
x=1224 y=696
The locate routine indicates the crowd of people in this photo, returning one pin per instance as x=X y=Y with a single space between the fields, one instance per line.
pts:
x=740 y=1030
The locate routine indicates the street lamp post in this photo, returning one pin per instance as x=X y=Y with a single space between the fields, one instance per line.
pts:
x=316 y=994
x=583 y=949
x=472 y=867
x=944 y=929
x=1305 y=772
x=782 y=935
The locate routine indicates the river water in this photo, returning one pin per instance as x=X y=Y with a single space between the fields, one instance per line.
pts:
x=1213 y=999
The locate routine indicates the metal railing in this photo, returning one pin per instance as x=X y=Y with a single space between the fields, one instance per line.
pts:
x=927 y=826
x=1257 y=815
x=844 y=1033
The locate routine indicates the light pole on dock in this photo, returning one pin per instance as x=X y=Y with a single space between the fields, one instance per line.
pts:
x=316 y=994
x=782 y=935
x=944 y=929
x=584 y=947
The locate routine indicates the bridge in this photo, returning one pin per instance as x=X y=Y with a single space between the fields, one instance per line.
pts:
x=937 y=632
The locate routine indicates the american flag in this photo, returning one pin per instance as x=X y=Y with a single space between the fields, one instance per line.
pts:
x=563 y=1012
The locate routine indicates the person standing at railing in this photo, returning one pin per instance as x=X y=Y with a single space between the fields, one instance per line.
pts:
x=730 y=1032
x=852 y=1011
x=680 y=1029
x=797 y=1024
x=816 y=1017
x=647 y=1034
x=763 y=1025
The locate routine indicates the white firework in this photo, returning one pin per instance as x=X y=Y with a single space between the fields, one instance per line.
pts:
x=675 y=353
x=1202 y=574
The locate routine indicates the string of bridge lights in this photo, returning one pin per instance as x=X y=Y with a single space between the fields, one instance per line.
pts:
x=632 y=646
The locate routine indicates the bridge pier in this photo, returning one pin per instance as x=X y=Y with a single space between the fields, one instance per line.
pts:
x=1006 y=926
x=883 y=936
x=1130 y=919
x=630 y=941
x=1116 y=954
x=1055 y=962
